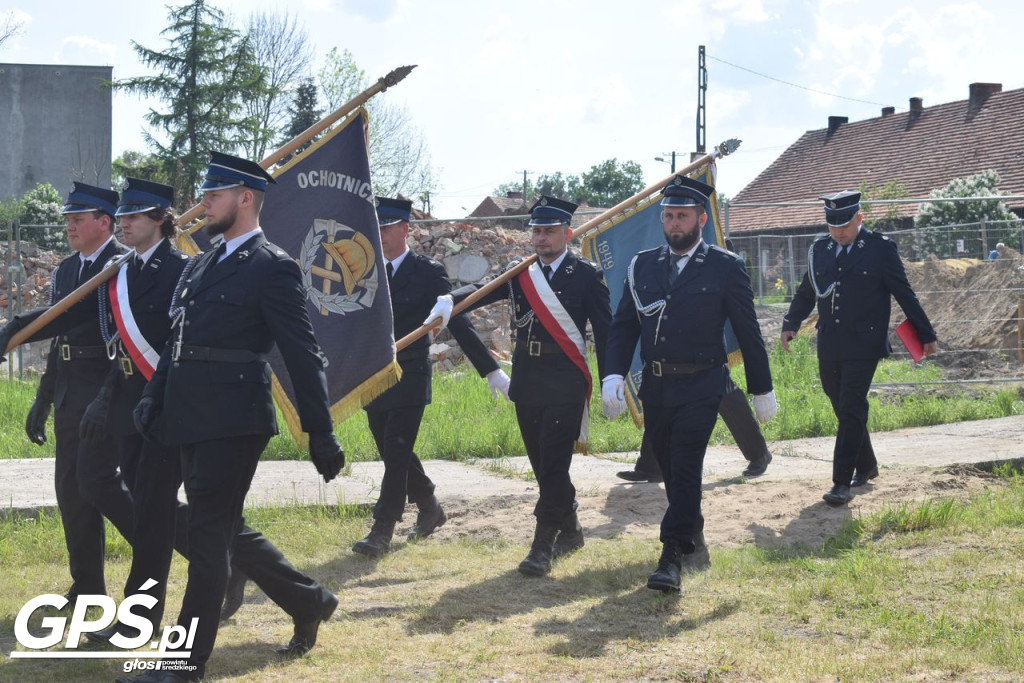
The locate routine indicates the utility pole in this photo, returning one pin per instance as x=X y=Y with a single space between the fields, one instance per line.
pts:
x=525 y=198
x=702 y=91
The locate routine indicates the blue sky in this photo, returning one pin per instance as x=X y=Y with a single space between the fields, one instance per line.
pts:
x=561 y=85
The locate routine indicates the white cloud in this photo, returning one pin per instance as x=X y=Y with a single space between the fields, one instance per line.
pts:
x=85 y=50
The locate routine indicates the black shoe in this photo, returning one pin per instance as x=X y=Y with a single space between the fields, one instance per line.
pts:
x=235 y=593
x=640 y=475
x=159 y=677
x=378 y=541
x=860 y=479
x=570 y=537
x=755 y=468
x=538 y=561
x=666 y=577
x=304 y=637
x=106 y=634
x=837 y=496
x=427 y=520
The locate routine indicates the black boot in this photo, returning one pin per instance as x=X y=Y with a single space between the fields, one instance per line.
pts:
x=538 y=561
x=430 y=516
x=378 y=541
x=700 y=559
x=235 y=593
x=667 y=576
x=570 y=535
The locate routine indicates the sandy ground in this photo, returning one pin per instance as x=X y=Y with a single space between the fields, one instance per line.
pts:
x=494 y=499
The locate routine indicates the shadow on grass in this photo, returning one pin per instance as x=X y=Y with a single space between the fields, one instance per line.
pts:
x=626 y=609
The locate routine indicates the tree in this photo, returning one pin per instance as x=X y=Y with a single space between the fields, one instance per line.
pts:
x=205 y=73
x=135 y=164
x=894 y=189
x=281 y=50
x=41 y=207
x=11 y=25
x=303 y=111
x=605 y=184
x=970 y=218
x=399 y=161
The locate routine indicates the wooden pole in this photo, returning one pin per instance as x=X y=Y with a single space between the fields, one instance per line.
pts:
x=392 y=78
x=722 y=150
x=70 y=300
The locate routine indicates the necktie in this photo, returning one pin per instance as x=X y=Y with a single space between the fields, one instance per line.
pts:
x=841 y=257
x=82 y=273
x=547 y=272
x=673 y=267
x=391 y=270
x=139 y=263
x=221 y=250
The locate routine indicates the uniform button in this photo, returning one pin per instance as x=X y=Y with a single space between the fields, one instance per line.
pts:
x=187 y=323
x=177 y=364
x=191 y=303
x=661 y=338
x=241 y=377
x=664 y=317
x=837 y=308
x=837 y=321
x=221 y=296
x=837 y=295
x=667 y=297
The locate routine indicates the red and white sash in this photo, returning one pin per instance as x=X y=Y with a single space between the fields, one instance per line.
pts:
x=560 y=325
x=142 y=353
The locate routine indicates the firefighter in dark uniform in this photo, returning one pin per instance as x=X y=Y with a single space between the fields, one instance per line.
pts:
x=415 y=281
x=676 y=301
x=88 y=484
x=550 y=384
x=211 y=394
x=852 y=275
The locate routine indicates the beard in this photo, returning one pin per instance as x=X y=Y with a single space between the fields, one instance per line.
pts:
x=219 y=227
x=683 y=242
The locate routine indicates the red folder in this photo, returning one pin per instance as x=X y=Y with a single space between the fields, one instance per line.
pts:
x=908 y=335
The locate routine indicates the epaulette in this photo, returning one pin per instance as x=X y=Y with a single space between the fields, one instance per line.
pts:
x=877 y=235
x=275 y=250
x=823 y=236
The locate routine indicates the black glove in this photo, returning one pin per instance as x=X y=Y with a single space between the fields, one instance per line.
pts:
x=326 y=454
x=35 y=423
x=93 y=426
x=145 y=416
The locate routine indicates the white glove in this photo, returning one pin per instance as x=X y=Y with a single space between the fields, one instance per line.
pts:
x=765 y=406
x=442 y=309
x=613 y=396
x=498 y=381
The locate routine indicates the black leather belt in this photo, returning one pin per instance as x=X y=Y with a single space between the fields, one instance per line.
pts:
x=536 y=348
x=661 y=368
x=68 y=352
x=212 y=355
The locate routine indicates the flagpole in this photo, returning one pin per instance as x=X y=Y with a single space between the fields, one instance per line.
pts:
x=722 y=150
x=392 y=78
x=67 y=302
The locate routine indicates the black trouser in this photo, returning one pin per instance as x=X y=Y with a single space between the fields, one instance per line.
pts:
x=160 y=520
x=679 y=436
x=738 y=418
x=394 y=431
x=89 y=488
x=846 y=383
x=548 y=433
x=217 y=476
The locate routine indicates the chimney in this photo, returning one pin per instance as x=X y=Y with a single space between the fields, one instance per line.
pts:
x=835 y=121
x=979 y=92
x=916 y=105
x=888 y=111
x=513 y=195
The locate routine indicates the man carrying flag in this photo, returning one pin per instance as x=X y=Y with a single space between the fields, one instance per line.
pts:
x=414 y=281
x=86 y=479
x=676 y=301
x=552 y=301
x=212 y=393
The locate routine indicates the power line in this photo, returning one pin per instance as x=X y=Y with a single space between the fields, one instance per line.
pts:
x=796 y=85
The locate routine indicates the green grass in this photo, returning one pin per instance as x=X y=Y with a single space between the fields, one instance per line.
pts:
x=463 y=422
x=926 y=591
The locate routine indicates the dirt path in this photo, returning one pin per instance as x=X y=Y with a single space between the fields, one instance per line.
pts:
x=495 y=498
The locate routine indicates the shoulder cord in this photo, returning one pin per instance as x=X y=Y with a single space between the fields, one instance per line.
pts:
x=655 y=307
x=810 y=275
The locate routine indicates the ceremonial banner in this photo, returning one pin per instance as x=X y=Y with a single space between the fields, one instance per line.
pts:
x=322 y=213
x=613 y=245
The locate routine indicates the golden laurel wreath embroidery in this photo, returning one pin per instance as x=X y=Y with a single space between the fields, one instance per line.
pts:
x=348 y=278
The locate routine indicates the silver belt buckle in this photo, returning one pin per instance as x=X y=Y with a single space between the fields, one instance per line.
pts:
x=531 y=346
x=65 y=351
x=656 y=368
x=126 y=366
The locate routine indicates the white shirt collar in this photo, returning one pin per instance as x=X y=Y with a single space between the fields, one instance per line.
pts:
x=557 y=262
x=235 y=242
x=94 y=255
x=146 y=255
x=686 y=256
x=397 y=261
